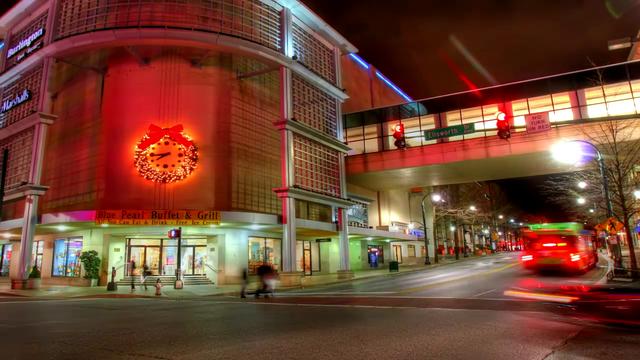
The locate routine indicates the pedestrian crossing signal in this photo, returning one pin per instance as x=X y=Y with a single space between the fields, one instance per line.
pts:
x=174 y=233
x=502 y=123
x=398 y=134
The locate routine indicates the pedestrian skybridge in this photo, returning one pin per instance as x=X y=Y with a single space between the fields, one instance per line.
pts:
x=453 y=138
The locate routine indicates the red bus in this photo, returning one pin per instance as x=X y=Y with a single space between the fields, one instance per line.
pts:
x=562 y=246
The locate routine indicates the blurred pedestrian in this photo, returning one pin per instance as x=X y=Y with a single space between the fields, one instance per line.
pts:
x=245 y=282
x=143 y=276
x=264 y=273
x=132 y=274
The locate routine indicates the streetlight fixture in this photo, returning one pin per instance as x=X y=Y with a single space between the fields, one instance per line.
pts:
x=581 y=201
x=636 y=194
x=582 y=184
x=512 y=221
x=592 y=211
x=472 y=208
x=500 y=217
x=436 y=197
x=452 y=228
x=574 y=153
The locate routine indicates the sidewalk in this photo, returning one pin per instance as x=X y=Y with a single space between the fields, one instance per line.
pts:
x=67 y=292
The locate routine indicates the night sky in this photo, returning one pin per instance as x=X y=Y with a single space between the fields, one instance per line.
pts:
x=419 y=44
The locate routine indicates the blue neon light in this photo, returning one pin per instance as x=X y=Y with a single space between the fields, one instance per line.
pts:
x=359 y=60
x=393 y=86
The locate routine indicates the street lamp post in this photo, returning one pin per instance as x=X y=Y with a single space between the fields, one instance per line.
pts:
x=568 y=154
x=435 y=198
x=424 y=227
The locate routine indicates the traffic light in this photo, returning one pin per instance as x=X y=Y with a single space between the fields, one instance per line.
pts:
x=174 y=233
x=504 y=128
x=398 y=134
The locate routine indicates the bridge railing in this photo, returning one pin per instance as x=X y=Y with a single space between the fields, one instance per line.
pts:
x=372 y=131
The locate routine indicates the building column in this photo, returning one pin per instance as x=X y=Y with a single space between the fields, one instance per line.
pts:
x=32 y=192
x=289 y=276
x=289 y=235
x=26 y=241
x=345 y=267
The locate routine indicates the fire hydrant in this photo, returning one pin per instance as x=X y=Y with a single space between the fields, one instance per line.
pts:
x=158 y=287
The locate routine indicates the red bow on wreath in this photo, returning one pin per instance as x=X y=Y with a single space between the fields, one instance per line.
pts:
x=156 y=133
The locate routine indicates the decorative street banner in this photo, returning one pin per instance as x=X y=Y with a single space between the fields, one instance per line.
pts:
x=449 y=131
x=158 y=217
x=537 y=122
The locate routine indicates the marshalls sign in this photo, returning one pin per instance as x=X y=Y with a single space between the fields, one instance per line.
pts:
x=537 y=122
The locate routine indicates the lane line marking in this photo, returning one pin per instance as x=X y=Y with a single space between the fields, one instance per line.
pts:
x=484 y=293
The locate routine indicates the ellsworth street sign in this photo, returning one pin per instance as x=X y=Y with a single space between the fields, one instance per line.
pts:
x=449 y=131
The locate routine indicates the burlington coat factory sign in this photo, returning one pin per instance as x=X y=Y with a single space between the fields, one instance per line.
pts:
x=26 y=43
x=15 y=100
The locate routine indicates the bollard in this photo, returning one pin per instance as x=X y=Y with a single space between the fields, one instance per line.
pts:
x=112 y=286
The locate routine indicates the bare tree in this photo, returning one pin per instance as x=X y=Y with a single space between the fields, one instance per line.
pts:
x=616 y=168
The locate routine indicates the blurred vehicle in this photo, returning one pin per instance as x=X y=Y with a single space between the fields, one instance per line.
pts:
x=607 y=304
x=559 y=246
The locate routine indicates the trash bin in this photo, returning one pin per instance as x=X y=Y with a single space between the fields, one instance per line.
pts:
x=394 y=266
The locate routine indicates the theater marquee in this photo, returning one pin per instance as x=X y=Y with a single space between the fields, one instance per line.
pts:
x=158 y=217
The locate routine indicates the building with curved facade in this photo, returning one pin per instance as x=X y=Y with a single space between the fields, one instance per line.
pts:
x=121 y=120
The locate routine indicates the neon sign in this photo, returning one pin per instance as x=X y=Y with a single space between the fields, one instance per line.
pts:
x=15 y=101
x=25 y=43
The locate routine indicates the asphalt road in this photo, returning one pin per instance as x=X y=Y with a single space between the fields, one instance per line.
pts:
x=433 y=314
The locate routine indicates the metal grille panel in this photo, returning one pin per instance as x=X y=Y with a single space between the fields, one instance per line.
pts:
x=23 y=34
x=30 y=81
x=314 y=54
x=20 y=153
x=314 y=107
x=251 y=20
x=316 y=167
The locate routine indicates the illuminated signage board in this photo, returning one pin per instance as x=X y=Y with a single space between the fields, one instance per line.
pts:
x=26 y=43
x=16 y=100
x=157 y=217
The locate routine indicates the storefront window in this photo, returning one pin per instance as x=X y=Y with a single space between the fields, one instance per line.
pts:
x=411 y=250
x=264 y=251
x=66 y=257
x=36 y=254
x=5 y=260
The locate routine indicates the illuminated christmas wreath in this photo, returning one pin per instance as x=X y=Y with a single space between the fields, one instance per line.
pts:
x=165 y=155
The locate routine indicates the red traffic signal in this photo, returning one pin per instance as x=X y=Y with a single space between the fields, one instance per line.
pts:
x=174 y=233
x=398 y=134
x=502 y=123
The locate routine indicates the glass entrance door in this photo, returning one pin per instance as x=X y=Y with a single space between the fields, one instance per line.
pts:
x=306 y=257
x=194 y=259
x=145 y=255
x=152 y=259
x=161 y=255
x=397 y=251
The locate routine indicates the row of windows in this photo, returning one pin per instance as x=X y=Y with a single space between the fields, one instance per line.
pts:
x=619 y=99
